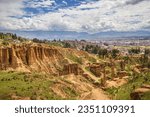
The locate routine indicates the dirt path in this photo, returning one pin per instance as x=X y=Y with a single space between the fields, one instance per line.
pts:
x=95 y=94
x=115 y=83
x=89 y=74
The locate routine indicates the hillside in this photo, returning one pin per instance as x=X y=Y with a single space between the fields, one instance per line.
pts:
x=23 y=66
x=30 y=70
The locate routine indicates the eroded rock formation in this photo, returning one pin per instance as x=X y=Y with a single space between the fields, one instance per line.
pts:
x=96 y=69
x=122 y=74
x=27 y=57
x=71 y=69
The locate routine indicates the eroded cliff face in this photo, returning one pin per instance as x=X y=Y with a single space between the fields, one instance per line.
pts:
x=71 y=69
x=96 y=69
x=27 y=57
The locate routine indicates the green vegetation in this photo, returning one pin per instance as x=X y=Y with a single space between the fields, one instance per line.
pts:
x=103 y=53
x=55 y=44
x=92 y=59
x=70 y=92
x=145 y=59
x=34 y=86
x=5 y=42
x=134 y=50
x=136 y=81
x=146 y=96
x=7 y=38
x=66 y=45
x=114 y=53
x=74 y=58
x=92 y=49
x=132 y=63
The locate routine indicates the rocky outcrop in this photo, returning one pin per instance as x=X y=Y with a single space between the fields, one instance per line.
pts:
x=96 y=69
x=71 y=69
x=27 y=57
x=87 y=76
x=122 y=65
x=122 y=74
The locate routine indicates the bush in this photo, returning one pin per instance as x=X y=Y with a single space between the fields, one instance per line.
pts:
x=114 y=53
x=134 y=51
x=103 y=53
x=5 y=43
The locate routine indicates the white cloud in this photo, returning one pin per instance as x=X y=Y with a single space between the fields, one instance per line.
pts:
x=11 y=7
x=103 y=15
x=41 y=3
x=64 y=2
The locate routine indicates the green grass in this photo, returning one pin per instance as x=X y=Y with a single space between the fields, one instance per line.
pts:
x=92 y=59
x=70 y=92
x=59 y=44
x=75 y=58
x=34 y=86
x=87 y=69
x=146 y=96
x=123 y=92
x=26 y=85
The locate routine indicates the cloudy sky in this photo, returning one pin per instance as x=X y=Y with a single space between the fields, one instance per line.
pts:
x=91 y=16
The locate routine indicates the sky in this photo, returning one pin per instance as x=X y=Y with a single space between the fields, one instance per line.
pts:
x=91 y=16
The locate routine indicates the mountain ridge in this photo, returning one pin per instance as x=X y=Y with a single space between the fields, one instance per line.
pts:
x=79 y=35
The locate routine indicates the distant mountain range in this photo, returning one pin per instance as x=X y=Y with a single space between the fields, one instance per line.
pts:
x=79 y=35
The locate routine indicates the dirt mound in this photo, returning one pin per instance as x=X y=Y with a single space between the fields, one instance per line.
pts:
x=116 y=82
x=70 y=86
x=138 y=93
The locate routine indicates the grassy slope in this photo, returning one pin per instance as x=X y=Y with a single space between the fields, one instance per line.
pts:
x=123 y=92
x=30 y=85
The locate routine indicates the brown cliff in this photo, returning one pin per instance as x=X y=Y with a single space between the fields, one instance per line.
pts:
x=96 y=69
x=71 y=69
x=27 y=57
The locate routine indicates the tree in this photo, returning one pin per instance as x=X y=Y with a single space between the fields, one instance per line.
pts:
x=14 y=36
x=114 y=53
x=87 y=48
x=83 y=48
x=67 y=45
x=144 y=59
x=36 y=40
x=1 y=36
x=95 y=50
x=134 y=51
x=147 y=52
x=103 y=52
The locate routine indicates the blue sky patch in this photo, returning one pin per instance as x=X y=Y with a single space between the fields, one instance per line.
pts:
x=91 y=16
x=58 y=4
